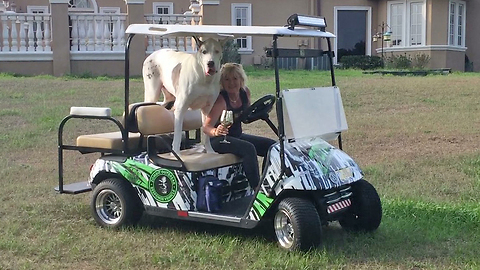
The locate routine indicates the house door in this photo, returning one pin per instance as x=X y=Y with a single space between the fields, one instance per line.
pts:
x=352 y=27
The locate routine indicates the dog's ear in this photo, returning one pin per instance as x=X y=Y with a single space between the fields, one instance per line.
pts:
x=198 y=41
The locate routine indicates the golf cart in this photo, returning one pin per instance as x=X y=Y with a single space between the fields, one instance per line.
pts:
x=306 y=182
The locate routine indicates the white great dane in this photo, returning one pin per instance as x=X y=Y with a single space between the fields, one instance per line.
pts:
x=191 y=80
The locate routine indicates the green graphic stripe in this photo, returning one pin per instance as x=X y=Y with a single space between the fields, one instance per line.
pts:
x=262 y=203
x=130 y=162
x=131 y=171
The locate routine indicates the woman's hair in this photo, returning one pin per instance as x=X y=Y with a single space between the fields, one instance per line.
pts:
x=233 y=68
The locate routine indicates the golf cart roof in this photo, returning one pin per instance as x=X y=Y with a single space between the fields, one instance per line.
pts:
x=219 y=31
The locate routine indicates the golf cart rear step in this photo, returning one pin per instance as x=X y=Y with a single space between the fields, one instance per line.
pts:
x=75 y=188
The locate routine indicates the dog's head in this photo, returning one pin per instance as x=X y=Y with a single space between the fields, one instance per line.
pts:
x=209 y=55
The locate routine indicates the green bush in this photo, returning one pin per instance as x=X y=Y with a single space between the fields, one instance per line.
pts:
x=361 y=62
x=418 y=61
x=230 y=52
x=399 y=61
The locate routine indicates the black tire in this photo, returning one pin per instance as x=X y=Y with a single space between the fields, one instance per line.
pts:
x=297 y=225
x=365 y=213
x=115 y=204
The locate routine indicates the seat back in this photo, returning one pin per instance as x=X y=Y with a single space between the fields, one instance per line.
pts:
x=153 y=119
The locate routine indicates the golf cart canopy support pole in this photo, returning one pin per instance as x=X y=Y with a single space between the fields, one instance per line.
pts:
x=334 y=83
x=127 y=86
x=330 y=59
x=281 y=126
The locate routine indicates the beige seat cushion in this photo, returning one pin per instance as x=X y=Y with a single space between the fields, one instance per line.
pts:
x=195 y=160
x=155 y=119
x=109 y=140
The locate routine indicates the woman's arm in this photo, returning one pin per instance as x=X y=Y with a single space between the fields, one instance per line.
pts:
x=212 y=119
x=247 y=90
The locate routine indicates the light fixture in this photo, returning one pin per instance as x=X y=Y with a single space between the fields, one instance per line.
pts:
x=306 y=20
x=387 y=36
x=384 y=36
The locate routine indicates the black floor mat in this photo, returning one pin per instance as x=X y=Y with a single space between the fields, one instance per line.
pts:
x=236 y=208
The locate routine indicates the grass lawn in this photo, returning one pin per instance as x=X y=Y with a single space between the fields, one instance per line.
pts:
x=416 y=138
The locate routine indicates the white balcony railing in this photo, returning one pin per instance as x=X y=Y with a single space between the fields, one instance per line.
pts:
x=178 y=43
x=29 y=33
x=97 y=32
x=25 y=32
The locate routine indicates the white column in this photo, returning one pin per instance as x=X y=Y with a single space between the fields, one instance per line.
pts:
x=6 y=44
x=23 y=34
x=47 y=35
x=90 y=34
x=107 y=35
x=74 y=33
x=98 y=34
x=14 y=34
x=82 y=33
x=31 y=36
x=39 y=37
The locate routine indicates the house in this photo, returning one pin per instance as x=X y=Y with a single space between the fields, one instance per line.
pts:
x=87 y=36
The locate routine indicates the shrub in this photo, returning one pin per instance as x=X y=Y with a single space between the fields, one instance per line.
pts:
x=420 y=61
x=230 y=52
x=361 y=61
x=399 y=61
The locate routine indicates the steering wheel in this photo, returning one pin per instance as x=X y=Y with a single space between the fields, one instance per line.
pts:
x=258 y=110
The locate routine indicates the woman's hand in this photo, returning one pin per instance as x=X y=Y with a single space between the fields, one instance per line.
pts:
x=220 y=130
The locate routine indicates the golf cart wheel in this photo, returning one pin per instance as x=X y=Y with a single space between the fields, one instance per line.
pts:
x=297 y=224
x=114 y=204
x=366 y=212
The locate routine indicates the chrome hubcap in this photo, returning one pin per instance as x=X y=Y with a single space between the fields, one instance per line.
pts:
x=108 y=206
x=284 y=229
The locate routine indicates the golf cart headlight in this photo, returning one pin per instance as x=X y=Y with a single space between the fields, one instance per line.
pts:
x=305 y=20
x=345 y=174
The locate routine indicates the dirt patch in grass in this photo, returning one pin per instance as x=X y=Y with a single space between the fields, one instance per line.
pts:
x=388 y=149
x=12 y=122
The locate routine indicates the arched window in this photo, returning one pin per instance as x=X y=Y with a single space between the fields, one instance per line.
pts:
x=82 y=5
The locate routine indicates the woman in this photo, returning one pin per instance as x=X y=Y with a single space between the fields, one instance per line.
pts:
x=235 y=96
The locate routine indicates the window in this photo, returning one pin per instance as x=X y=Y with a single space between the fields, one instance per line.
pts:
x=396 y=24
x=407 y=21
x=80 y=4
x=456 y=23
x=242 y=15
x=351 y=32
x=162 y=8
x=416 y=23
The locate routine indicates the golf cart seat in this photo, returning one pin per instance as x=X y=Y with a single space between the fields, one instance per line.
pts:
x=154 y=119
x=146 y=119
x=113 y=141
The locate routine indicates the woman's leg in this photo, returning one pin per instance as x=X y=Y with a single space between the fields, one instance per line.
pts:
x=243 y=149
x=262 y=144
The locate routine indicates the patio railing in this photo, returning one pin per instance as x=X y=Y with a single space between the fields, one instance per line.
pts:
x=25 y=32
x=179 y=43
x=97 y=32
